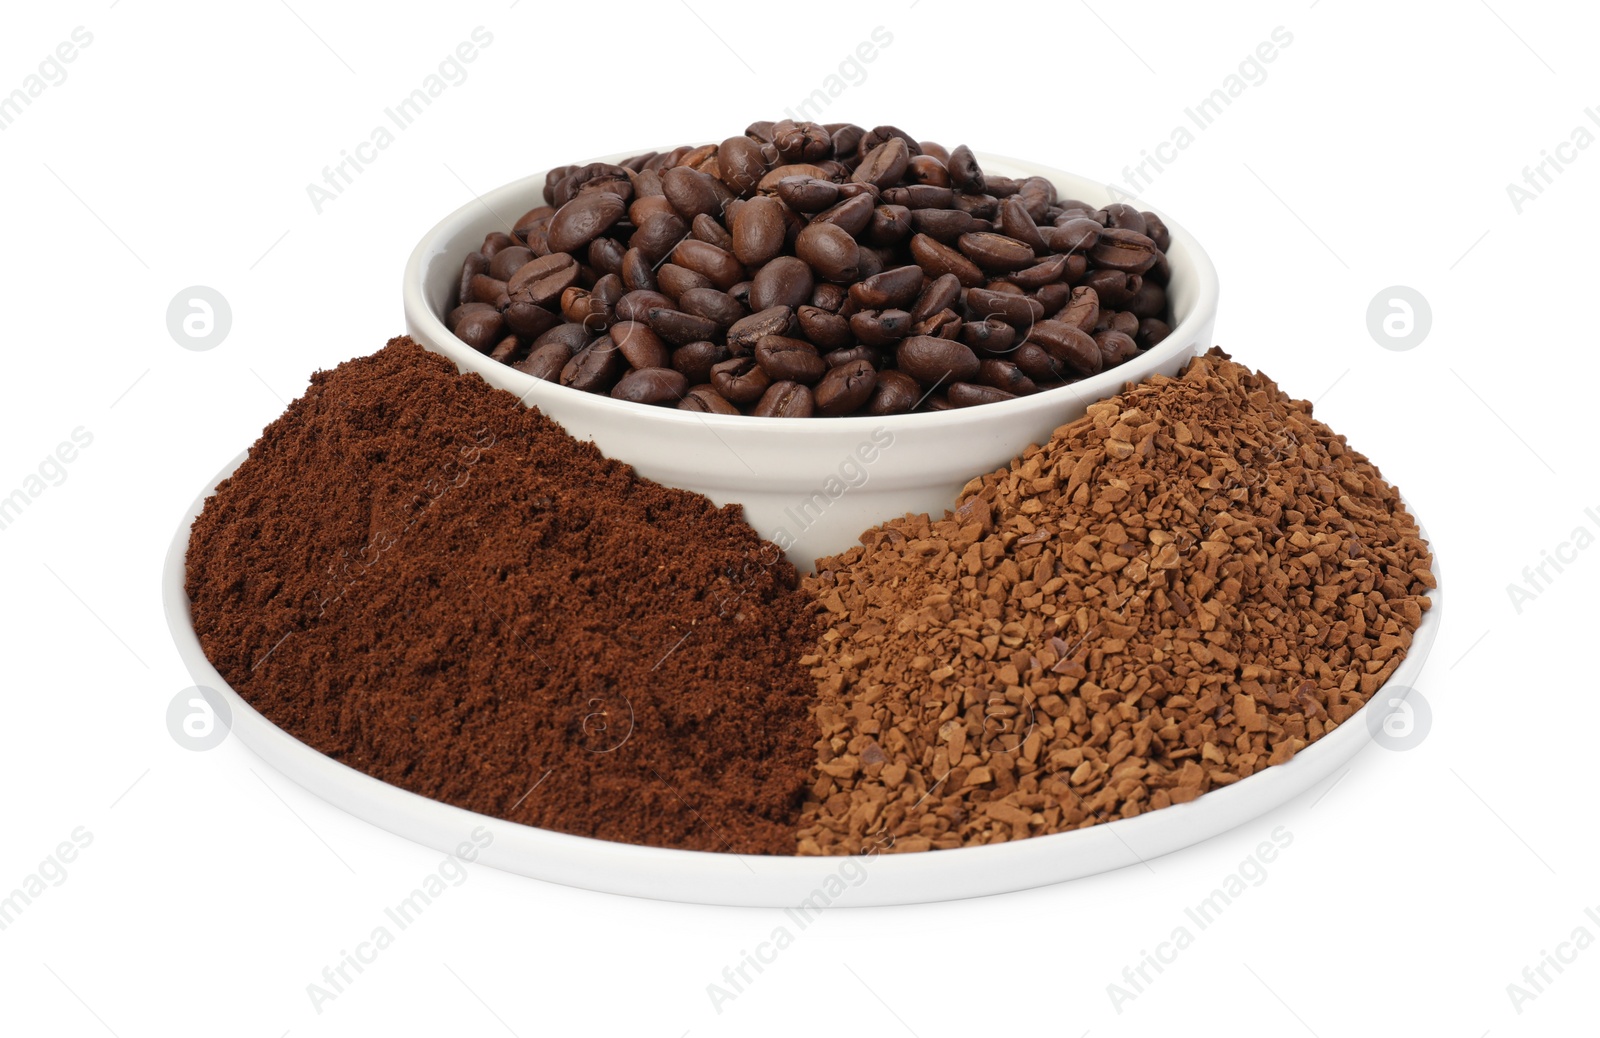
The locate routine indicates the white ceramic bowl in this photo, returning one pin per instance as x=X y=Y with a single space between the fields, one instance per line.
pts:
x=802 y=481
x=779 y=882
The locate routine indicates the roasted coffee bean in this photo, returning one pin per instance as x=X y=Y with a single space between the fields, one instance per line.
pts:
x=651 y=386
x=871 y=354
x=1149 y=301
x=941 y=293
x=895 y=393
x=538 y=214
x=692 y=193
x=1042 y=273
x=792 y=360
x=879 y=134
x=1076 y=235
x=1118 y=321
x=1036 y=362
x=595 y=368
x=712 y=305
x=636 y=306
x=474 y=265
x=1014 y=222
x=801 y=141
x=927 y=169
x=674 y=280
x=785 y=400
x=968 y=394
x=979 y=207
x=650 y=205
x=573 y=336
x=529 y=320
x=995 y=252
x=1151 y=331
x=609 y=289
x=581 y=306
x=485 y=289
x=605 y=255
x=747 y=331
x=828 y=330
x=697 y=359
x=846 y=141
x=740 y=294
x=1083 y=310
x=1126 y=250
x=658 y=234
x=830 y=251
x=1160 y=271
x=583 y=219
x=719 y=265
x=932 y=360
x=991 y=337
x=807 y=194
x=638 y=273
x=1015 y=309
x=786 y=281
x=740 y=380
x=920 y=196
x=1053 y=297
x=852 y=215
x=870 y=262
x=639 y=345
x=829 y=296
x=945 y=225
x=845 y=388
x=776 y=175
x=705 y=399
x=1115 y=288
x=741 y=165
x=1004 y=374
x=1069 y=345
x=891 y=225
x=946 y=324
x=1002 y=187
x=1156 y=229
x=936 y=259
x=880 y=327
x=479 y=325
x=495 y=241
x=759 y=230
x=704 y=228
x=898 y=287
x=965 y=173
x=680 y=328
x=545 y=362
x=1115 y=347
x=883 y=165
x=508 y=261
x=1123 y=216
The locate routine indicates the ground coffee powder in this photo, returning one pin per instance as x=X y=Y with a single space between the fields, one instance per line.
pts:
x=434 y=585
x=1191 y=583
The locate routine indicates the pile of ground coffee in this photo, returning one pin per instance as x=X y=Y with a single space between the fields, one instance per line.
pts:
x=434 y=585
x=1191 y=583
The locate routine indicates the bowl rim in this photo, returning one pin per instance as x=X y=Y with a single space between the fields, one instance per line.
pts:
x=712 y=878
x=532 y=391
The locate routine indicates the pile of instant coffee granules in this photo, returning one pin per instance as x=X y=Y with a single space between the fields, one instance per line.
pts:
x=436 y=586
x=1193 y=582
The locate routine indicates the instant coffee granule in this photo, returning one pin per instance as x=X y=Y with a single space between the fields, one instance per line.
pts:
x=436 y=586
x=1190 y=584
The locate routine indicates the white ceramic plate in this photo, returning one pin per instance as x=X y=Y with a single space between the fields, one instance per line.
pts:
x=806 y=883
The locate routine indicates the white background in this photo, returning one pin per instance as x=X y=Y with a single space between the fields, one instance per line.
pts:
x=1376 y=152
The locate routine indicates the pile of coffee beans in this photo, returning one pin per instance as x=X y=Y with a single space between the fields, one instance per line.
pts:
x=805 y=269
